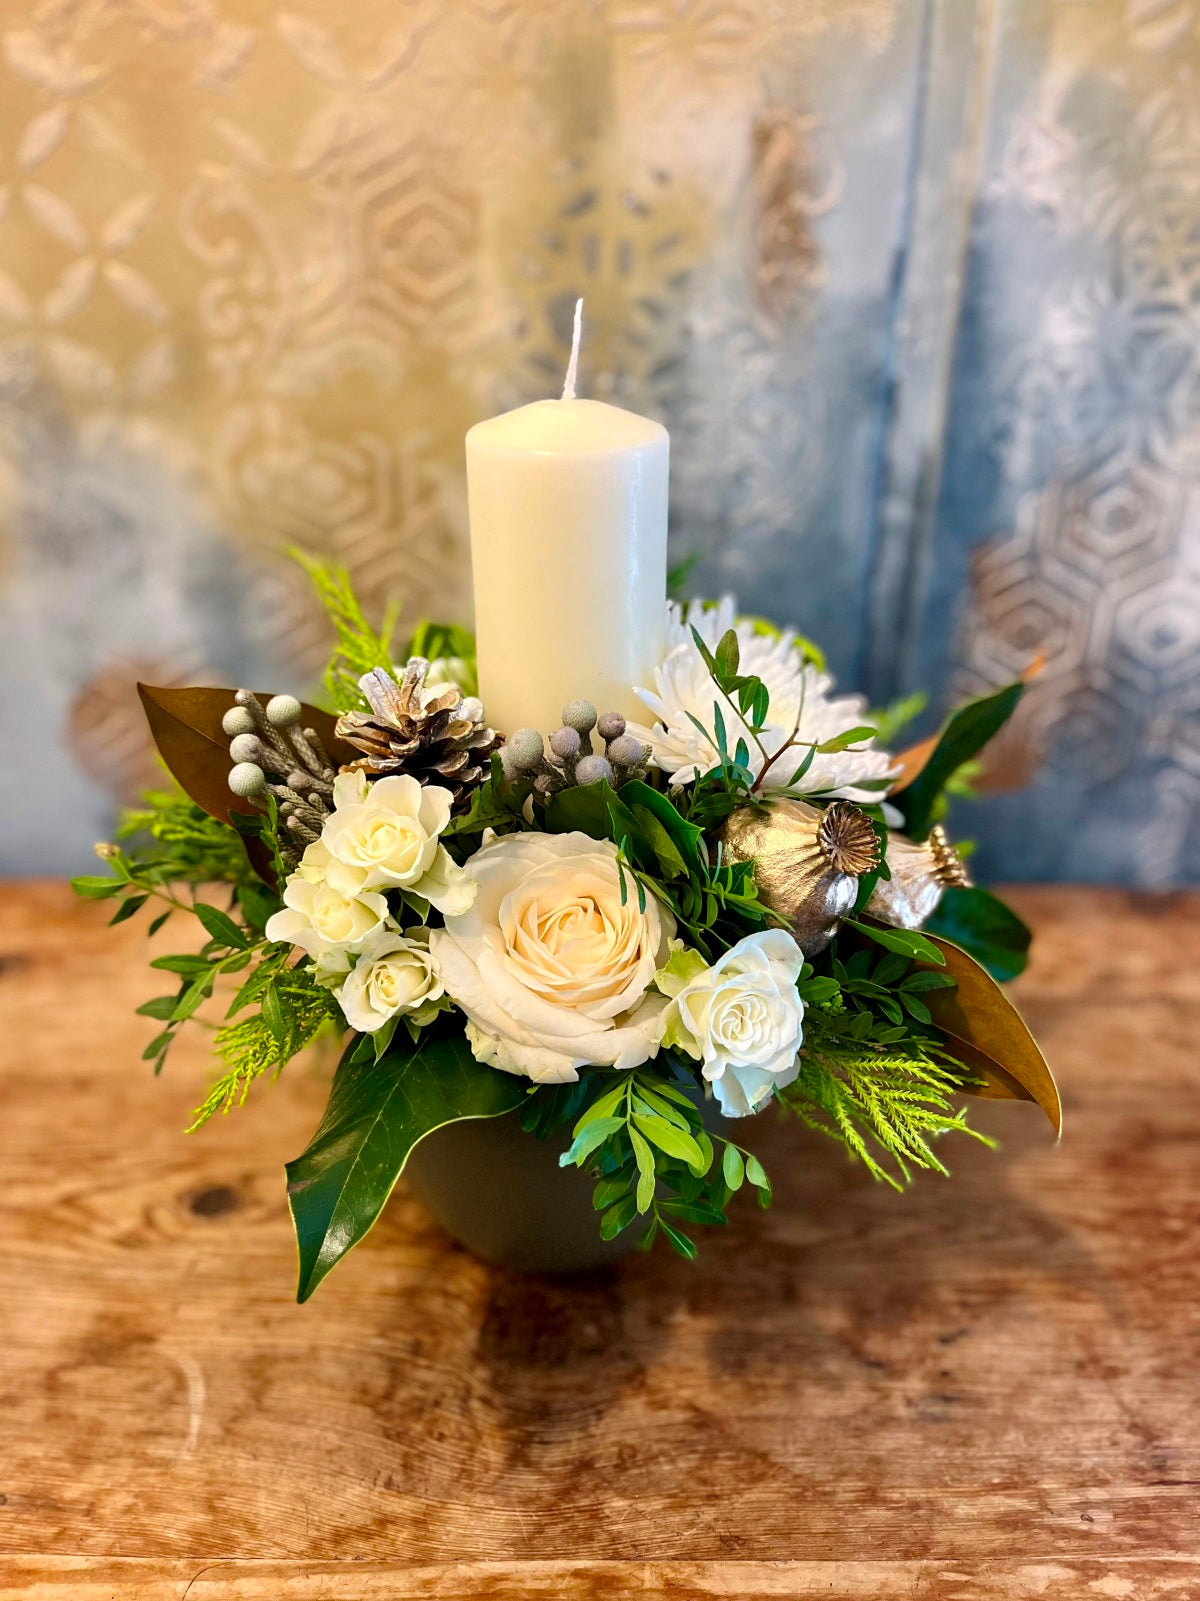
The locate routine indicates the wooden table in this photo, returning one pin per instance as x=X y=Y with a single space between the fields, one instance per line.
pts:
x=984 y=1388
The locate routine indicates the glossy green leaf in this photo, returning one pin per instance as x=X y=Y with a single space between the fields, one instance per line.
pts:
x=695 y=1212
x=221 y=927
x=844 y=740
x=644 y=1157
x=377 y=1113
x=618 y=1217
x=904 y=940
x=611 y=1189
x=583 y=808
x=648 y=1101
x=161 y=1008
x=274 y=1017
x=680 y=1243
x=92 y=888
x=981 y=924
x=604 y=1106
x=181 y=964
x=757 y=1175
x=258 y=904
x=728 y=654
x=686 y=837
x=192 y=998
x=590 y=1138
x=733 y=1168
x=928 y=767
x=127 y=908
x=670 y=863
x=670 y=1139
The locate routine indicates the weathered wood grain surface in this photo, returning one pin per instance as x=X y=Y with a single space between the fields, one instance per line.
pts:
x=988 y=1388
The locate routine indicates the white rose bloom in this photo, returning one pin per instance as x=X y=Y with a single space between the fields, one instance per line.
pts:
x=741 y=1018
x=801 y=707
x=552 y=971
x=385 y=836
x=322 y=920
x=393 y=974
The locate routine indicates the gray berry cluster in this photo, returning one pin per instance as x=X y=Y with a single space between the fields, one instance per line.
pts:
x=273 y=754
x=571 y=757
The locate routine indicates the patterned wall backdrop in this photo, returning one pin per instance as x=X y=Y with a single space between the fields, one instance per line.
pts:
x=914 y=283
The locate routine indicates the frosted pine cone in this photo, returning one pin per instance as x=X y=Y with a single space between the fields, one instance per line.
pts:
x=429 y=732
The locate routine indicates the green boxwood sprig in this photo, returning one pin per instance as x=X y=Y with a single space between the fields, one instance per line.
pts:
x=645 y=1143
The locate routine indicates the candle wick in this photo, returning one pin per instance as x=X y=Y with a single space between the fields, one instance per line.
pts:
x=573 y=365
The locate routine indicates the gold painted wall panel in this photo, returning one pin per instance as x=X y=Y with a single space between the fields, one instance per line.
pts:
x=262 y=264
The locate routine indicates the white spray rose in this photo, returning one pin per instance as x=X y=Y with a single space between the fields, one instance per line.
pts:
x=553 y=972
x=394 y=973
x=322 y=920
x=385 y=836
x=741 y=1018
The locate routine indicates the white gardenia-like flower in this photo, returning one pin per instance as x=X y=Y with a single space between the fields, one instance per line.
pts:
x=741 y=1018
x=553 y=972
x=322 y=920
x=802 y=709
x=384 y=836
x=393 y=974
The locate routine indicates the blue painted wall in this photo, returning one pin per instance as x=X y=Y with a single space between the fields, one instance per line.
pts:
x=914 y=283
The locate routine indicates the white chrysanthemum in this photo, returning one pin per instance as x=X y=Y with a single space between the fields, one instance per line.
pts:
x=802 y=711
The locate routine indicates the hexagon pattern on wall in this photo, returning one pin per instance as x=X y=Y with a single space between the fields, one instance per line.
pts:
x=261 y=265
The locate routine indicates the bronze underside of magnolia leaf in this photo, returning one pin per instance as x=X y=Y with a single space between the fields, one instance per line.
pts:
x=912 y=762
x=186 y=725
x=987 y=1034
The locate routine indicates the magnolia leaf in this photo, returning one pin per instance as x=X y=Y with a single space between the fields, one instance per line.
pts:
x=987 y=1034
x=983 y=926
x=927 y=767
x=186 y=725
x=377 y=1113
x=912 y=762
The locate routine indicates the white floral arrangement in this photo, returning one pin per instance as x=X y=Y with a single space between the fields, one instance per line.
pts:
x=633 y=935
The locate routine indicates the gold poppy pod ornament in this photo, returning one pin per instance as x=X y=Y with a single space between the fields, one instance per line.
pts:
x=921 y=875
x=807 y=861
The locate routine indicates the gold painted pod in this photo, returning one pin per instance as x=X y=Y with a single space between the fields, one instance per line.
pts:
x=807 y=861
x=921 y=874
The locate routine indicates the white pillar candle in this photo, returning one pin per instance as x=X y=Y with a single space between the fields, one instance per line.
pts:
x=568 y=508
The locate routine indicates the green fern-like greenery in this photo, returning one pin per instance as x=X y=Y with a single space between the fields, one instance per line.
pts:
x=189 y=846
x=887 y=1106
x=360 y=648
x=293 y=1011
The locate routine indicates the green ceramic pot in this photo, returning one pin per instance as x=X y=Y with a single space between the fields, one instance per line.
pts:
x=500 y=1192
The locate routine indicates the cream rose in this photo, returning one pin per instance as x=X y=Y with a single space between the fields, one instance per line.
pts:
x=553 y=972
x=393 y=974
x=320 y=919
x=741 y=1018
x=385 y=836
